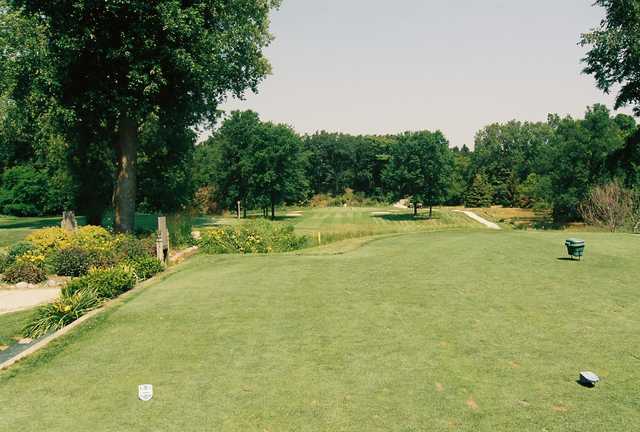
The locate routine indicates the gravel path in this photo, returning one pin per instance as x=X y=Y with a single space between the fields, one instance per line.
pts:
x=482 y=220
x=15 y=300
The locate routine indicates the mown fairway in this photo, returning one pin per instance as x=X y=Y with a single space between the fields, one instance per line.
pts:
x=471 y=331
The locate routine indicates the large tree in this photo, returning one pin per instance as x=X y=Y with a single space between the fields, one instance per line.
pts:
x=421 y=165
x=114 y=64
x=614 y=56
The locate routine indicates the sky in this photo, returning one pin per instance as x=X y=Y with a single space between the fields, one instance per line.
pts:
x=380 y=66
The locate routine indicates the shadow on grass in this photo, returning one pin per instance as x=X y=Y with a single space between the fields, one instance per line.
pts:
x=278 y=218
x=35 y=224
x=568 y=259
x=585 y=385
x=405 y=217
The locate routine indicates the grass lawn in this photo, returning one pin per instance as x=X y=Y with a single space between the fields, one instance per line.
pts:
x=11 y=325
x=14 y=229
x=462 y=330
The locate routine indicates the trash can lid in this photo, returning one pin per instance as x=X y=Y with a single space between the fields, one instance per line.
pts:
x=574 y=241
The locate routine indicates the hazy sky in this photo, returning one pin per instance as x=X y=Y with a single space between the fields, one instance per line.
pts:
x=374 y=66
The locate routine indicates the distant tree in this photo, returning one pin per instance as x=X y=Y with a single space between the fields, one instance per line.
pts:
x=460 y=177
x=421 y=165
x=26 y=190
x=579 y=156
x=507 y=153
x=113 y=64
x=331 y=161
x=236 y=140
x=532 y=191
x=277 y=167
x=624 y=163
x=341 y=161
x=480 y=192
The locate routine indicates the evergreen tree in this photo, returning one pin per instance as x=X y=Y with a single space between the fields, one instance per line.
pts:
x=480 y=193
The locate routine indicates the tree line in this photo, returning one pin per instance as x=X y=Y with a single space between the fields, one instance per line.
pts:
x=99 y=101
x=548 y=165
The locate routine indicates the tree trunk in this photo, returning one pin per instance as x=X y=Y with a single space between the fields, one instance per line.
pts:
x=124 y=195
x=430 y=210
x=415 y=209
x=273 y=210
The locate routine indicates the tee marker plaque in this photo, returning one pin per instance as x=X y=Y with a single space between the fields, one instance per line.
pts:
x=145 y=392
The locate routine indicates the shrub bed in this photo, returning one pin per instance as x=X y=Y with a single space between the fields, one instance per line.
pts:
x=103 y=266
x=145 y=267
x=260 y=236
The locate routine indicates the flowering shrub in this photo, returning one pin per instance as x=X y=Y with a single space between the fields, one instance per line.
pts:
x=19 y=249
x=259 y=236
x=70 y=261
x=47 y=240
x=32 y=256
x=92 y=237
x=25 y=272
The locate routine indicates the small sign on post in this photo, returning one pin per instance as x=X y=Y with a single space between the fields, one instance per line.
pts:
x=162 y=242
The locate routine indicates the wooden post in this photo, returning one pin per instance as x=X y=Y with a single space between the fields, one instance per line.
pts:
x=319 y=238
x=69 y=222
x=162 y=242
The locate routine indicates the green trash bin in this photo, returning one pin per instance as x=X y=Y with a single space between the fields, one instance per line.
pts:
x=575 y=247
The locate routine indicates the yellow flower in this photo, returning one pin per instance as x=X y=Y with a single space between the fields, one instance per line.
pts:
x=67 y=308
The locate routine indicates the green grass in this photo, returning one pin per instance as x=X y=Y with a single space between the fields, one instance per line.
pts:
x=468 y=331
x=11 y=326
x=14 y=229
x=337 y=223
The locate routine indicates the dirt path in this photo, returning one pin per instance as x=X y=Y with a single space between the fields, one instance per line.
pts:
x=483 y=221
x=15 y=300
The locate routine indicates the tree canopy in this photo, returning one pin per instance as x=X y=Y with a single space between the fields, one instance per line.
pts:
x=613 y=57
x=111 y=65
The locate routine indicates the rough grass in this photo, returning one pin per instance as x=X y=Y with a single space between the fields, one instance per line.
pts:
x=11 y=326
x=468 y=331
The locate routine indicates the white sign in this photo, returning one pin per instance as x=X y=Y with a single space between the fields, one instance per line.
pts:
x=145 y=392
